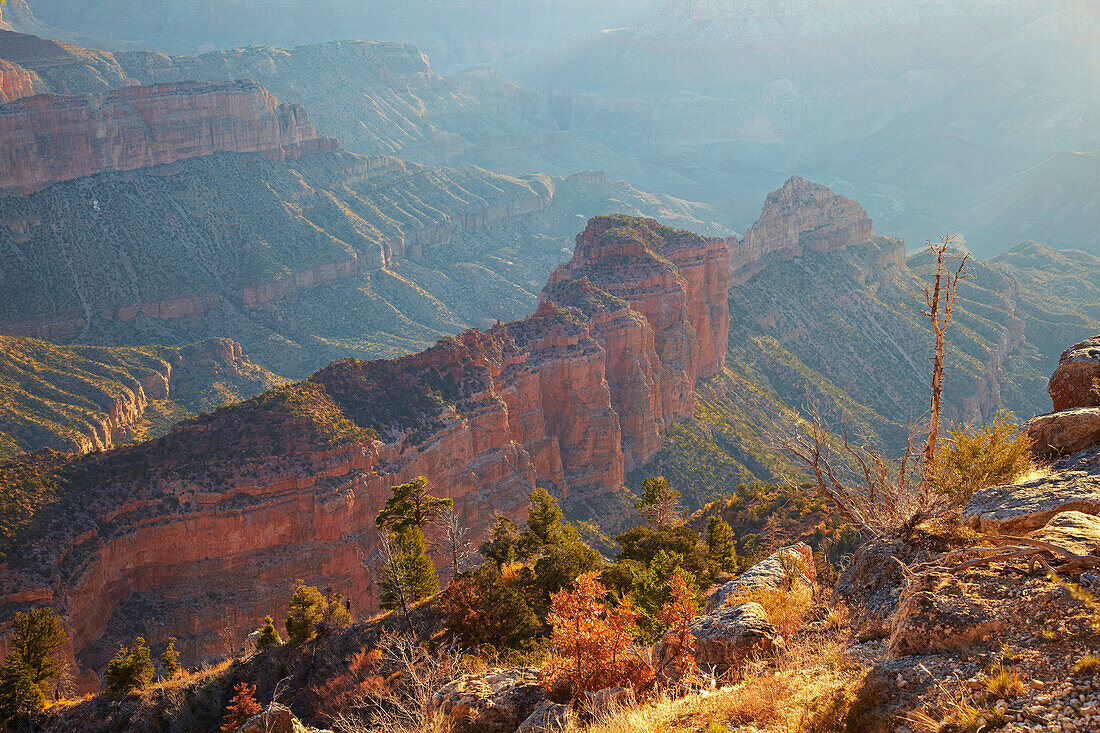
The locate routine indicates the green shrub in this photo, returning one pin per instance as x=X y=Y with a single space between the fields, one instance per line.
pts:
x=131 y=669
x=269 y=636
x=974 y=459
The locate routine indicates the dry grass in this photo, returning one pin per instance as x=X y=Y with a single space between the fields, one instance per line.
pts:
x=786 y=609
x=1004 y=684
x=1087 y=665
x=809 y=689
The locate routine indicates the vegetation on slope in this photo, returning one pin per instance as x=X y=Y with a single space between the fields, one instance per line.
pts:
x=77 y=398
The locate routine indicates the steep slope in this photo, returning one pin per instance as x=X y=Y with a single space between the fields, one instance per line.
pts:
x=214 y=522
x=823 y=313
x=301 y=262
x=82 y=398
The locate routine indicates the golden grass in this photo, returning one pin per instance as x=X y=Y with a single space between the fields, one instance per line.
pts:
x=786 y=609
x=1087 y=665
x=1004 y=684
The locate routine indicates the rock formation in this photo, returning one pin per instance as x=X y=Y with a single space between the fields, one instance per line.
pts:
x=768 y=573
x=1076 y=382
x=50 y=138
x=83 y=398
x=17 y=82
x=800 y=216
x=213 y=523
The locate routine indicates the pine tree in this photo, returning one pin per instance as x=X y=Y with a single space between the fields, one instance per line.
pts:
x=721 y=548
x=170 y=659
x=407 y=574
x=131 y=669
x=38 y=636
x=307 y=608
x=242 y=707
x=651 y=590
x=544 y=522
x=269 y=635
x=659 y=503
x=410 y=505
x=20 y=695
x=419 y=571
x=504 y=538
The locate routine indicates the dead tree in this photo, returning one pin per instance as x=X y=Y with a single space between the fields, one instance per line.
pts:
x=940 y=300
x=886 y=496
x=880 y=497
x=455 y=539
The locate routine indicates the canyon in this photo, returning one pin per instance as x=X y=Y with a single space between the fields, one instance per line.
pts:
x=211 y=525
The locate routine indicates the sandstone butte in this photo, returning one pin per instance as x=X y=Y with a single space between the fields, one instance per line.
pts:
x=48 y=138
x=211 y=526
x=800 y=216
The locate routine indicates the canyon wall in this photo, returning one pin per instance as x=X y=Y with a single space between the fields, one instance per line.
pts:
x=211 y=526
x=46 y=139
x=17 y=82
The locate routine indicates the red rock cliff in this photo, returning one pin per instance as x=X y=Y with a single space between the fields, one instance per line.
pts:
x=50 y=138
x=213 y=524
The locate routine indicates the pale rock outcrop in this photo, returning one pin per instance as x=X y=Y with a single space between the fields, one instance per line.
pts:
x=1061 y=433
x=276 y=719
x=725 y=639
x=499 y=701
x=549 y=717
x=768 y=573
x=1075 y=531
x=1070 y=484
x=1076 y=381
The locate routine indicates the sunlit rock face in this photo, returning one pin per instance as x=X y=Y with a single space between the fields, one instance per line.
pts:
x=51 y=138
x=212 y=525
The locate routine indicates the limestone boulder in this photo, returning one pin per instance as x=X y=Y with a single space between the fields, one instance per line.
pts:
x=1065 y=432
x=499 y=701
x=768 y=573
x=727 y=638
x=1070 y=484
x=1075 y=531
x=549 y=717
x=939 y=612
x=1073 y=383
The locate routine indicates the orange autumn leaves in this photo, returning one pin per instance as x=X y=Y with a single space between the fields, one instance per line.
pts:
x=595 y=648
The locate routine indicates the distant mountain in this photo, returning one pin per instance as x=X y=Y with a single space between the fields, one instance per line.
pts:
x=81 y=398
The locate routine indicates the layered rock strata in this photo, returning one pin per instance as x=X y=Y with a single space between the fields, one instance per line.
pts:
x=800 y=216
x=212 y=525
x=46 y=139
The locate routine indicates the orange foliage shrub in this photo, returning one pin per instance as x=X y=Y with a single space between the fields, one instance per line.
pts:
x=678 y=613
x=242 y=707
x=592 y=642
